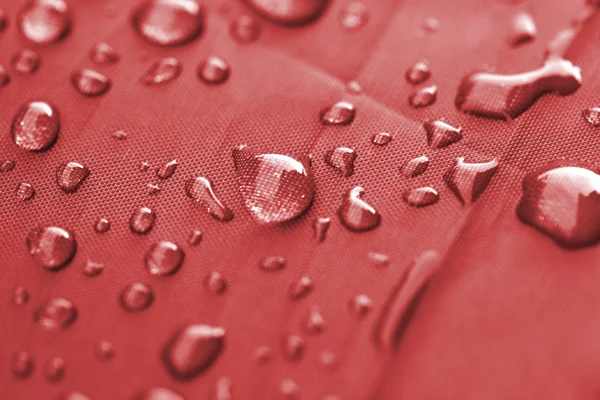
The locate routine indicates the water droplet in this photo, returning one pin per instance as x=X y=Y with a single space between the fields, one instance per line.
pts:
x=195 y=237
x=200 y=189
x=293 y=347
x=104 y=54
x=214 y=71
x=56 y=314
x=142 y=221
x=51 y=247
x=35 y=127
x=272 y=263
x=166 y=171
x=104 y=350
x=523 y=29
x=263 y=354
x=25 y=191
x=508 y=96
x=592 y=115
x=164 y=258
x=4 y=76
x=22 y=365
x=75 y=396
x=381 y=139
x=102 y=225
x=163 y=70
x=380 y=260
x=20 y=296
x=7 y=166
x=289 y=12
x=356 y=214
x=136 y=297
x=421 y=197
x=223 y=389
x=403 y=297
x=275 y=187
x=341 y=113
x=159 y=393
x=342 y=159
x=320 y=228
x=44 y=21
x=215 y=283
x=441 y=134
x=423 y=97
x=144 y=166
x=328 y=359
x=92 y=268
x=54 y=370
x=418 y=73
x=169 y=22
x=354 y=15
x=563 y=202
x=119 y=134
x=430 y=25
x=193 y=349
x=245 y=29
x=90 y=83
x=354 y=87
x=289 y=389
x=70 y=175
x=26 y=62
x=152 y=189
x=468 y=180
x=415 y=167
x=314 y=323
x=360 y=305
x=300 y=288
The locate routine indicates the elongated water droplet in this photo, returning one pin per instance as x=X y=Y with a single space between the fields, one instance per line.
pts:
x=354 y=15
x=314 y=322
x=192 y=350
x=293 y=347
x=341 y=113
x=20 y=296
x=164 y=258
x=142 y=221
x=102 y=225
x=468 y=180
x=263 y=354
x=54 y=370
x=22 y=364
x=195 y=237
x=104 y=54
x=415 y=167
x=360 y=305
x=245 y=29
x=289 y=12
x=36 y=126
x=74 y=396
x=342 y=159
x=421 y=197
x=300 y=288
x=423 y=97
x=272 y=263
x=381 y=138
x=56 y=314
x=7 y=166
x=356 y=214
x=200 y=189
x=4 y=76
x=403 y=297
x=380 y=260
x=223 y=389
x=119 y=134
x=159 y=393
x=136 y=297
x=214 y=71
x=169 y=22
x=441 y=134
x=508 y=96
x=44 y=21
x=523 y=29
x=592 y=115
x=215 y=283
x=26 y=62
x=166 y=171
x=163 y=70
x=51 y=247
x=289 y=389
x=320 y=228
x=418 y=73
x=70 y=175
x=104 y=350
x=90 y=83
x=92 y=268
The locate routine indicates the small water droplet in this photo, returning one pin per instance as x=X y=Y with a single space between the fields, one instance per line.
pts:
x=7 y=166
x=360 y=305
x=200 y=189
x=166 y=171
x=192 y=350
x=320 y=228
x=51 y=247
x=163 y=70
x=381 y=139
x=468 y=180
x=92 y=268
x=415 y=167
x=22 y=364
x=342 y=159
x=300 y=288
x=54 y=370
x=441 y=134
x=104 y=350
x=275 y=188
x=523 y=29
x=215 y=283
x=44 y=21
x=35 y=127
x=4 y=76
x=354 y=87
x=354 y=15
x=421 y=197
x=341 y=113
x=380 y=260
x=169 y=22
x=314 y=322
x=26 y=62
x=119 y=134
x=289 y=12
x=136 y=297
x=245 y=29
x=592 y=115
x=430 y=25
x=328 y=359
x=90 y=83
x=195 y=237
x=142 y=221
x=144 y=166
x=293 y=347
x=20 y=296
x=289 y=389
x=56 y=314
x=214 y=71
x=159 y=393
x=25 y=191
x=356 y=214
x=74 y=396
x=104 y=54
x=164 y=258
x=418 y=73
x=102 y=225
x=152 y=189
x=263 y=354
x=70 y=175
x=423 y=97
x=223 y=389
x=272 y=263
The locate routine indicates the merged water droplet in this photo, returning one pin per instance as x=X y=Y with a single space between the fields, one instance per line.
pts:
x=320 y=228
x=192 y=350
x=341 y=113
x=159 y=393
x=289 y=389
x=223 y=389
x=421 y=197
x=166 y=171
x=4 y=76
x=92 y=268
x=56 y=314
x=90 y=83
x=245 y=29
x=523 y=29
x=44 y=21
x=54 y=370
x=468 y=180
x=289 y=12
x=418 y=73
x=104 y=54
x=7 y=166
x=360 y=305
x=214 y=71
x=142 y=221
x=300 y=288
x=195 y=237
x=200 y=189
x=356 y=214
x=136 y=297
x=423 y=97
x=215 y=283
x=354 y=15
x=164 y=70
x=104 y=350
x=20 y=296
x=102 y=225
x=415 y=167
x=275 y=187
x=26 y=62
x=22 y=364
x=342 y=159
x=169 y=22
x=70 y=175
x=592 y=115
x=272 y=263
x=293 y=347
x=441 y=134
x=35 y=126
x=51 y=247
x=164 y=258
x=314 y=322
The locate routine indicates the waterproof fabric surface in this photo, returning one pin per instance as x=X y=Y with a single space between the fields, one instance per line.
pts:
x=509 y=315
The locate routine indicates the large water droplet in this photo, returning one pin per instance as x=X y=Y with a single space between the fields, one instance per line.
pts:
x=35 y=127
x=215 y=283
x=293 y=347
x=421 y=197
x=423 y=97
x=164 y=258
x=342 y=159
x=200 y=189
x=4 y=76
x=564 y=203
x=289 y=389
x=25 y=191
x=508 y=96
x=44 y=21
x=169 y=22
x=166 y=171
x=70 y=175
x=354 y=15
x=56 y=314
x=314 y=322
x=136 y=297
x=275 y=187
x=26 y=62
x=223 y=389
x=468 y=180
x=92 y=268
x=22 y=364
x=418 y=73
x=301 y=288
x=592 y=115
x=360 y=305
x=51 y=247
x=102 y=225
x=415 y=167
x=341 y=113
x=104 y=350
x=214 y=71
x=245 y=29
x=523 y=29
x=90 y=83
x=104 y=54
x=21 y=296
x=142 y=221
x=193 y=349
x=441 y=134
x=289 y=12
x=272 y=263
x=320 y=228
x=163 y=70
x=159 y=393
x=54 y=370
x=381 y=138
x=356 y=214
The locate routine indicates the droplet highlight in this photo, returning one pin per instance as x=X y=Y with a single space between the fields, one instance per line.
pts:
x=354 y=15
x=164 y=258
x=195 y=237
x=314 y=322
x=44 y=21
x=90 y=83
x=360 y=306
x=166 y=171
x=214 y=71
x=215 y=283
x=102 y=225
x=356 y=214
x=289 y=12
x=92 y=268
x=51 y=247
x=523 y=29
x=272 y=263
x=320 y=228
x=381 y=138
x=418 y=73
